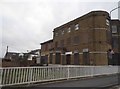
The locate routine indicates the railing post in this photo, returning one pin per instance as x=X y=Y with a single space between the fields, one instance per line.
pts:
x=30 y=75
x=68 y=72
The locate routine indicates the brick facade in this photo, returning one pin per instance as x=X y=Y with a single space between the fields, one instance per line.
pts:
x=83 y=41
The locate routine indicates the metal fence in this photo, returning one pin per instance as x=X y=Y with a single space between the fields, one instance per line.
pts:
x=24 y=75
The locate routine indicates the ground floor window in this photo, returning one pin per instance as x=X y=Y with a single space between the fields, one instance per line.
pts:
x=57 y=58
x=76 y=59
x=68 y=59
x=86 y=60
x=50 y=58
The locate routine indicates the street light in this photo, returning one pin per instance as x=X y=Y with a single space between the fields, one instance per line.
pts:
x=113 y=10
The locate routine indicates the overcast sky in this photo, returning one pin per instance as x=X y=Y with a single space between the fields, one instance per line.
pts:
x=24 y=24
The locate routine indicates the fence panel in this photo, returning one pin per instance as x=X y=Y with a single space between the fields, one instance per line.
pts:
x=24 y=75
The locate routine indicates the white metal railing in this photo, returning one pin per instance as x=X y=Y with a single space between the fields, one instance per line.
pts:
x=24 y=75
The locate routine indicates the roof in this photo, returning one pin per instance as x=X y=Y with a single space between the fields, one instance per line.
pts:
x=49 y=41
x=11 y=54
x=34 y=51
x=99 y=12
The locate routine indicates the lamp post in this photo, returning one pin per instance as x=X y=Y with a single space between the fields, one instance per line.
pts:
x=113 y=10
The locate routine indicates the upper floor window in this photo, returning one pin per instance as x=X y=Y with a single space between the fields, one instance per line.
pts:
x=76 y=40
x=107 y=22
x=63 y=32
x=62 y=43
x=69 y=40
x=76 y=26
x=56 y=44
x=69 y=30
x=114 y=29
x=56 y=34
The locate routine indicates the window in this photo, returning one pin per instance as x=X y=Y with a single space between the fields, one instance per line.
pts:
x=69 y=30
x=69 y=40
x=114 y=29
x=76 y=40
x=62 y=43
x=56 y=44
x=115 y=42
x=107 y=22
x=63 y=32
x=56 y=34
x=76 y=26
x=109 y=36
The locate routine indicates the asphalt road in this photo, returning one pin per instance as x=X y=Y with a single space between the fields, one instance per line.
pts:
x=94 y=82
x=102 y=81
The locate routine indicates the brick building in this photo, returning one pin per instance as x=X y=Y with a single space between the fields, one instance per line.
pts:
x=46 y=48
x=115 y=26
x=83 y=41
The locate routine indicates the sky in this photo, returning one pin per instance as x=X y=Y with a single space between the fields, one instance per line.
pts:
x=24 y=24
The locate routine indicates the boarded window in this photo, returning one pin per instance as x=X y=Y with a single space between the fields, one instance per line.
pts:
x=56 y=44
x=86 y=60
x=69 y=40
x=109 y=36
x=62 y=43
x=76 y=40
x=68 y=59
x=115 y=42
x=58 y=58
x=76 y=59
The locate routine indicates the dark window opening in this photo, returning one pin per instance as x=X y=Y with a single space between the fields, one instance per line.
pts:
x=58 y=58
x=76 y=59
x=68 y=59
x=86 y=60
x=51 y=58
x=76 y=40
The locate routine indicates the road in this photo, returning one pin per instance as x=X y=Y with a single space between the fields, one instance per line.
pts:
x=94 y=82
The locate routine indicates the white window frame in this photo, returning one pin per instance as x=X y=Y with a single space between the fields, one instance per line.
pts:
x=107 y=22
x=76 y=26
x=69 y=30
